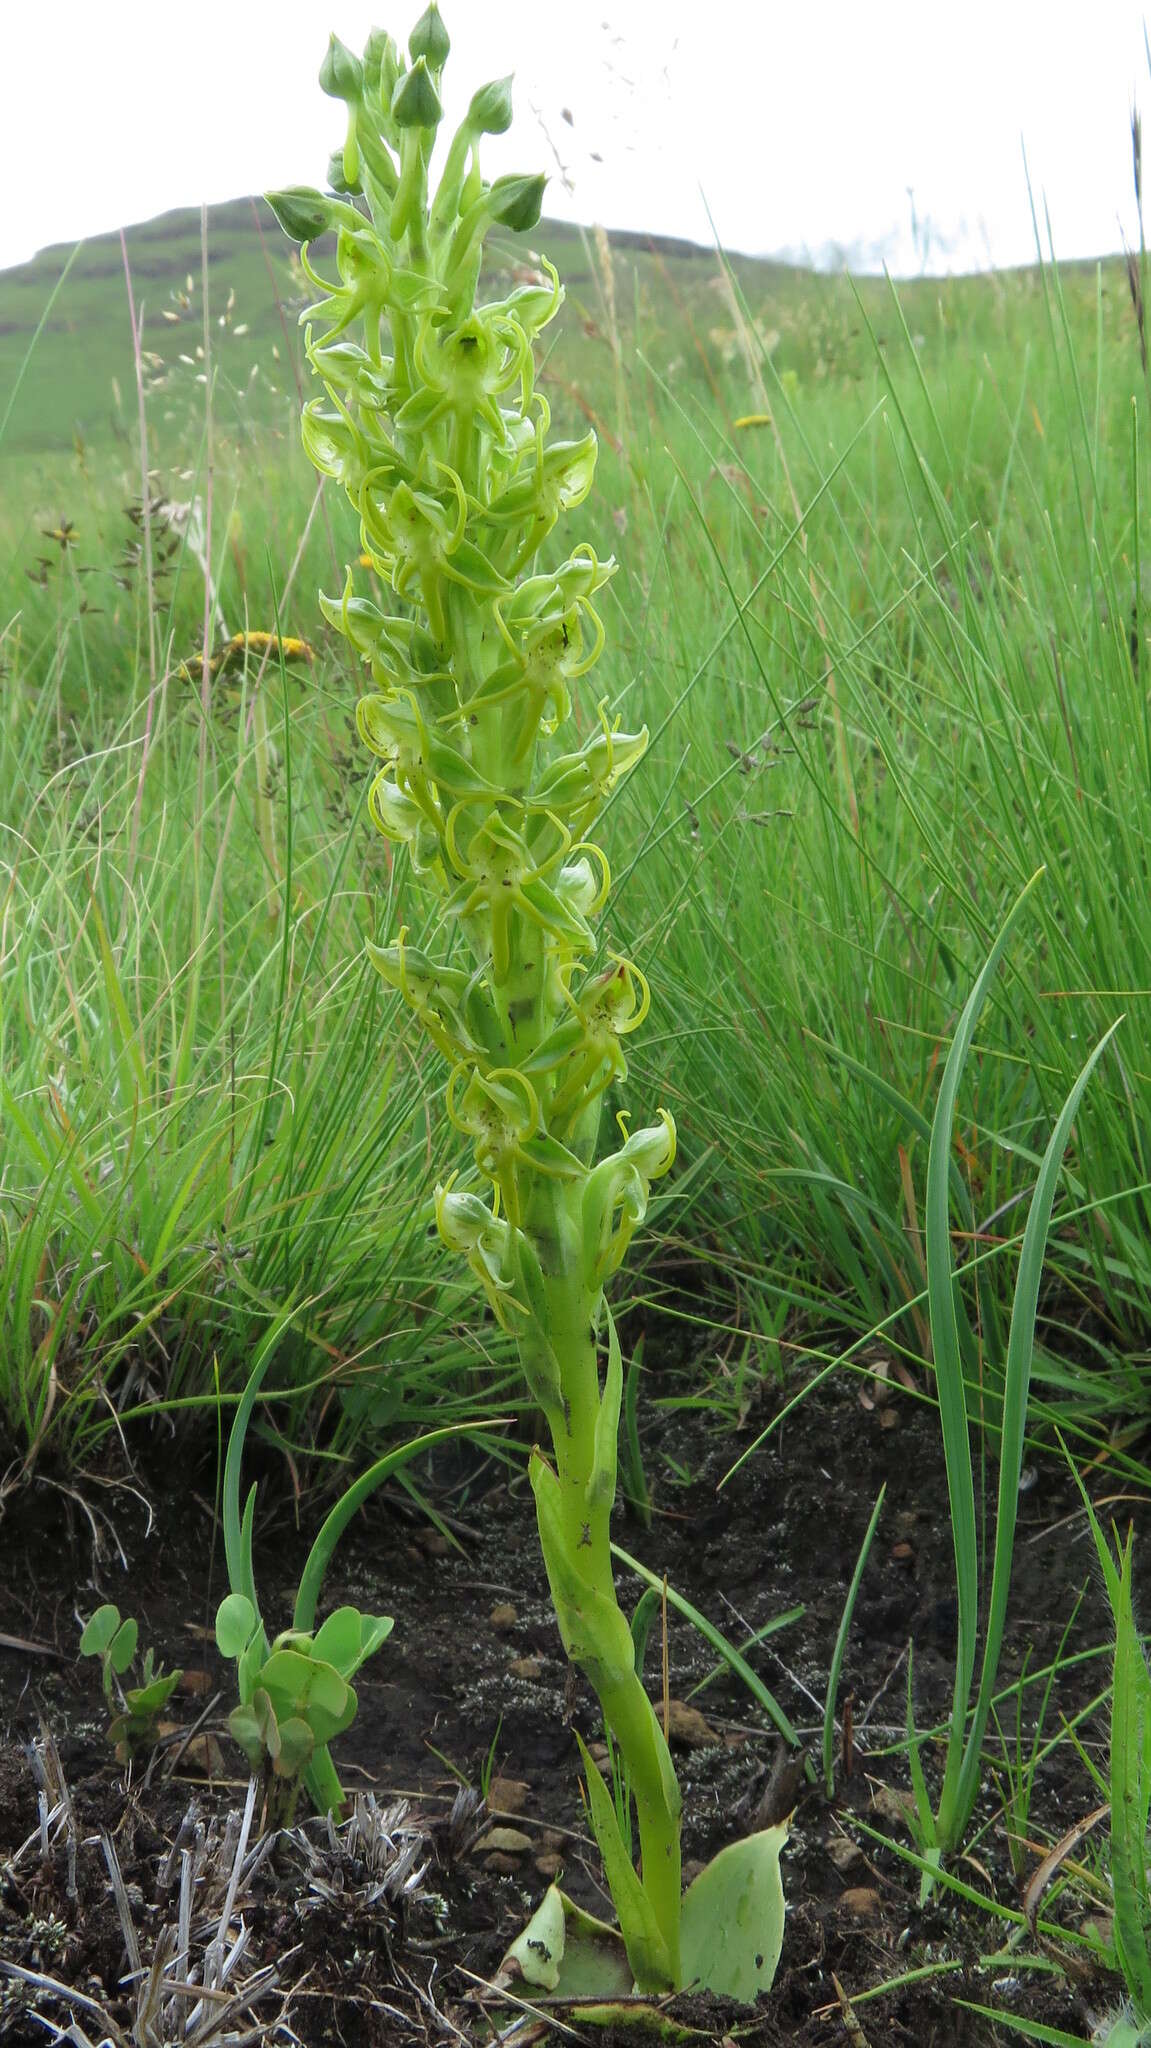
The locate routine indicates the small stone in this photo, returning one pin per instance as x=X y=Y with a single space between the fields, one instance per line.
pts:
x=598 y=1753
x=896 y=1808
x=508 y=1795
x=686 y=1726
x=888 y=1418
x=1098 y=1927
x=861 y=1901
x=203 y=1754
x=503 y=1616
x=902 y=1553
x=550 y=1838
x=507 y=1841
x=434 y=1543
x=503 y=1866
x=529 y=1668
x=693 y=1867
x=195 y=1682
x=843 y=1853
x=549 y=1864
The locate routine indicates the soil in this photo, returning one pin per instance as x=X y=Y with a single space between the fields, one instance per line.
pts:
x=473 y=1688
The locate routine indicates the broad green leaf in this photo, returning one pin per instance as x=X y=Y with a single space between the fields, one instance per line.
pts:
x=255 y=1738
x=539 y=1950
x=147 y=1700
x=376 y=1630
x=647 y=1949
x=564 y=1950
x=338 y=1640
x=731 y=1928
x=296 y=1745
x=99 y=1631
x=327 y=1712
x=327 y=1691
x=235 y=1624
x=286 y=1677
x=122 y=1647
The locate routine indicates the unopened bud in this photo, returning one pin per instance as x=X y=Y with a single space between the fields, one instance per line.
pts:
x=429 y=39
x=303 y=213
x=381 y=66
x=517 y=203
x=490 y=112
x=337 y=177
x=341 y=73
x=415 y=102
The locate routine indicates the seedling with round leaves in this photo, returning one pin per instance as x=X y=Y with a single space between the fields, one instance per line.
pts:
x=296 y=1695
x=134 y=1710
x=295 y=1690
x=430 y=421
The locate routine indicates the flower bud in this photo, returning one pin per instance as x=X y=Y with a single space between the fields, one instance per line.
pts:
x=490 y=112
x=517 y=203
x=304 y=213
x=341 y=73
x=415 y=102
x=337 y=177
x=429 y=39
x=381 y=67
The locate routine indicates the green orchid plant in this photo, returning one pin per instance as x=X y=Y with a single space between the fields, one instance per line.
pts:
x=431 y=422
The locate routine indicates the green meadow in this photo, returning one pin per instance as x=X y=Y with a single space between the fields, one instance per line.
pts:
x=881 y=603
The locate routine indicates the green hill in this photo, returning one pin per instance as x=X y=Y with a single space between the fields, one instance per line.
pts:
x=78 y=383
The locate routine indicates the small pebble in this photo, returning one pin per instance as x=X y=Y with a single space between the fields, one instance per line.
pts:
x=686 y=1726
x=844 y=1854
x=893 y=1807
x=529 y=1668
x=508 y=1795
x=503 y=1616
x=508 y=1842
x=203 y=1753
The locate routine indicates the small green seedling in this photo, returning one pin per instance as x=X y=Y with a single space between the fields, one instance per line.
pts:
x=295 y=1688
x=296 y=1695
x=134 y=1710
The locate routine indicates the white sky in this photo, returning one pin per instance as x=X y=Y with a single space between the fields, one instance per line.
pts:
x=802 y=125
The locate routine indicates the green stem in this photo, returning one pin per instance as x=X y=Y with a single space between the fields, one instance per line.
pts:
x=586 y=1495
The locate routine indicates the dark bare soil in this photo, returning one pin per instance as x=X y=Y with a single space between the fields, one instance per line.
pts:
x=473 y=1681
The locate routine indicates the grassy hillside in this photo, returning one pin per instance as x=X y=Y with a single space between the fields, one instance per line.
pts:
x=79 y=383
x=76 y=386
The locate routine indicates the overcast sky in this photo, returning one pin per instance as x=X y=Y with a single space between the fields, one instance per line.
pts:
x=839 y=123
